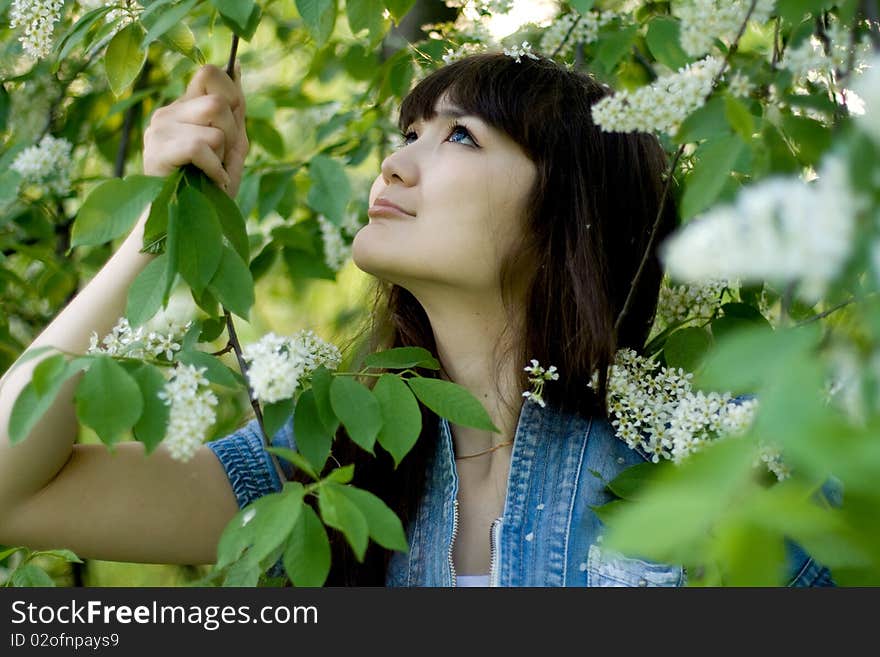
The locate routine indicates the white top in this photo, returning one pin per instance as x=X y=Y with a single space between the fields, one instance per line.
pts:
x=472 y=580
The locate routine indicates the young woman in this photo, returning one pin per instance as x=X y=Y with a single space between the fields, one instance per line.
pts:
x=506 y=227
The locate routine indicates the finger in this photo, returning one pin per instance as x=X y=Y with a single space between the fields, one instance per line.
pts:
x=199 y=145
x=206 y=159
x=211 y=111
x=212 y=80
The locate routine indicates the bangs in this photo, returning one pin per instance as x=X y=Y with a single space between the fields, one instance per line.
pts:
x=491 y=86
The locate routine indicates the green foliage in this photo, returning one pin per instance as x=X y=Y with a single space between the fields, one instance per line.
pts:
x=452 y=401
x=112 y=209
x=108 y=400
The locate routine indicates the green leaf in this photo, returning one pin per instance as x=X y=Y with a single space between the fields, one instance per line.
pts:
x=30 y=406
x=401 y=417
x=157 y=223
x=399 y=8
x=276 y=415
x=707 y=122
x=401 y=358
x=613 y=45
x=330 y=190
x=112 y=209
x=739 y=117
x=629 y=484
x=230 y=217
x=200 y=239
x=452 y=401
x=150 y=428
x=146 y=291
x=262 y=526
x=342 y=475
x=296 y=458
x=264 y=133
x=307 y=554
x=233 y=284
x=321 y=380
x=180 y=38
x=237 y=11
x=686 y=347
x=384 y=525
x=358 y=409
x=582 y=6
x=663 y=41
x=108 y=400
x=68 y=555
x=319 y=17
x=47 y=372
x=339 y=512
x=167 y=20
x=125 y=57
x=215 y=371
x=810 y=137
x=742 y=361
x=31 y=576
x=704 y=184
x=77 y=33
x=366 y=15
x=312 y=438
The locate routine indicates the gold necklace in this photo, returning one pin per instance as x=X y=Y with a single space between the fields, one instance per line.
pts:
x=485 y=451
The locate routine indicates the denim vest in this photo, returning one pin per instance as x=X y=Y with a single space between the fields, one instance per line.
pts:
x=547 y=535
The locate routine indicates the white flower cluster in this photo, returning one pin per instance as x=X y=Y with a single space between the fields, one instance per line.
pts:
x=192 y=411
x=584 y=29
x=867 y=87
x=658 y=412
x=492 y=6
x=703 y=21
x=38 y=18
x=336 y=251
x=126 y=342
x=663 y=104
x=539 y=376
x=464 y=50
x=46 y=166
x=780 y=230
x=740 y=85
x=518 y=52
x=278 y=365
x=810 y=61
x=677 y=303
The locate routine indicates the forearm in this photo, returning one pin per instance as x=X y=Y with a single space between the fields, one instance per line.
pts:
x=30 y=464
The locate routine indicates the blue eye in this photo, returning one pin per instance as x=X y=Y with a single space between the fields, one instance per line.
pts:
x=456 y=129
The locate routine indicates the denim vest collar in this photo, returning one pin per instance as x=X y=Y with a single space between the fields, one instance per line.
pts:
x=559 y=465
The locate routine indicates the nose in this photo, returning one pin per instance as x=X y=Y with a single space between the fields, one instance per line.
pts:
x=400 y=166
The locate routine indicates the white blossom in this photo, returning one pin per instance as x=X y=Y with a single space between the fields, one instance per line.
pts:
x=278 y=365
x=740 y=85
x=539 y=376
x=780 y=229
x=677 y=303
x=662 y=105
x=336 y=251
x=703 y=21
x=192 y=411
x=123 y=341
x=584 y=29
x=464 y=50
x=654 y=409
x=46 y=166
x=38 y=18
x=518 y=52
x=352 y=224
x=867 y=87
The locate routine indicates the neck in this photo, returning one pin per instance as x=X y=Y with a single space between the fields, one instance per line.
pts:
x=466 y=330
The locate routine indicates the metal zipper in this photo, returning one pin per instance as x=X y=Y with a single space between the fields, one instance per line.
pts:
x=454 y=534
x=494 y=549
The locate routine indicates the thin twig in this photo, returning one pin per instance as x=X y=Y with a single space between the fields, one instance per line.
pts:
x=825 y=313
x=671 y=174
x=566 y=37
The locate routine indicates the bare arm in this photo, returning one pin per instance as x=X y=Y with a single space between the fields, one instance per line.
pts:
x=124 y=506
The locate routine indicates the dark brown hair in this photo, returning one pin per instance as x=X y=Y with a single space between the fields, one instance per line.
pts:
x=589 y=218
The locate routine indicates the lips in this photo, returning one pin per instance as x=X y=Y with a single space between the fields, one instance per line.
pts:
x=384 y=207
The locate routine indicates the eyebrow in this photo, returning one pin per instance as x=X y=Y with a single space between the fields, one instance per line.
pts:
x=449 y=113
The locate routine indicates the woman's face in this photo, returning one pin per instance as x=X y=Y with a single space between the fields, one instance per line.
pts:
x=463 y=185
